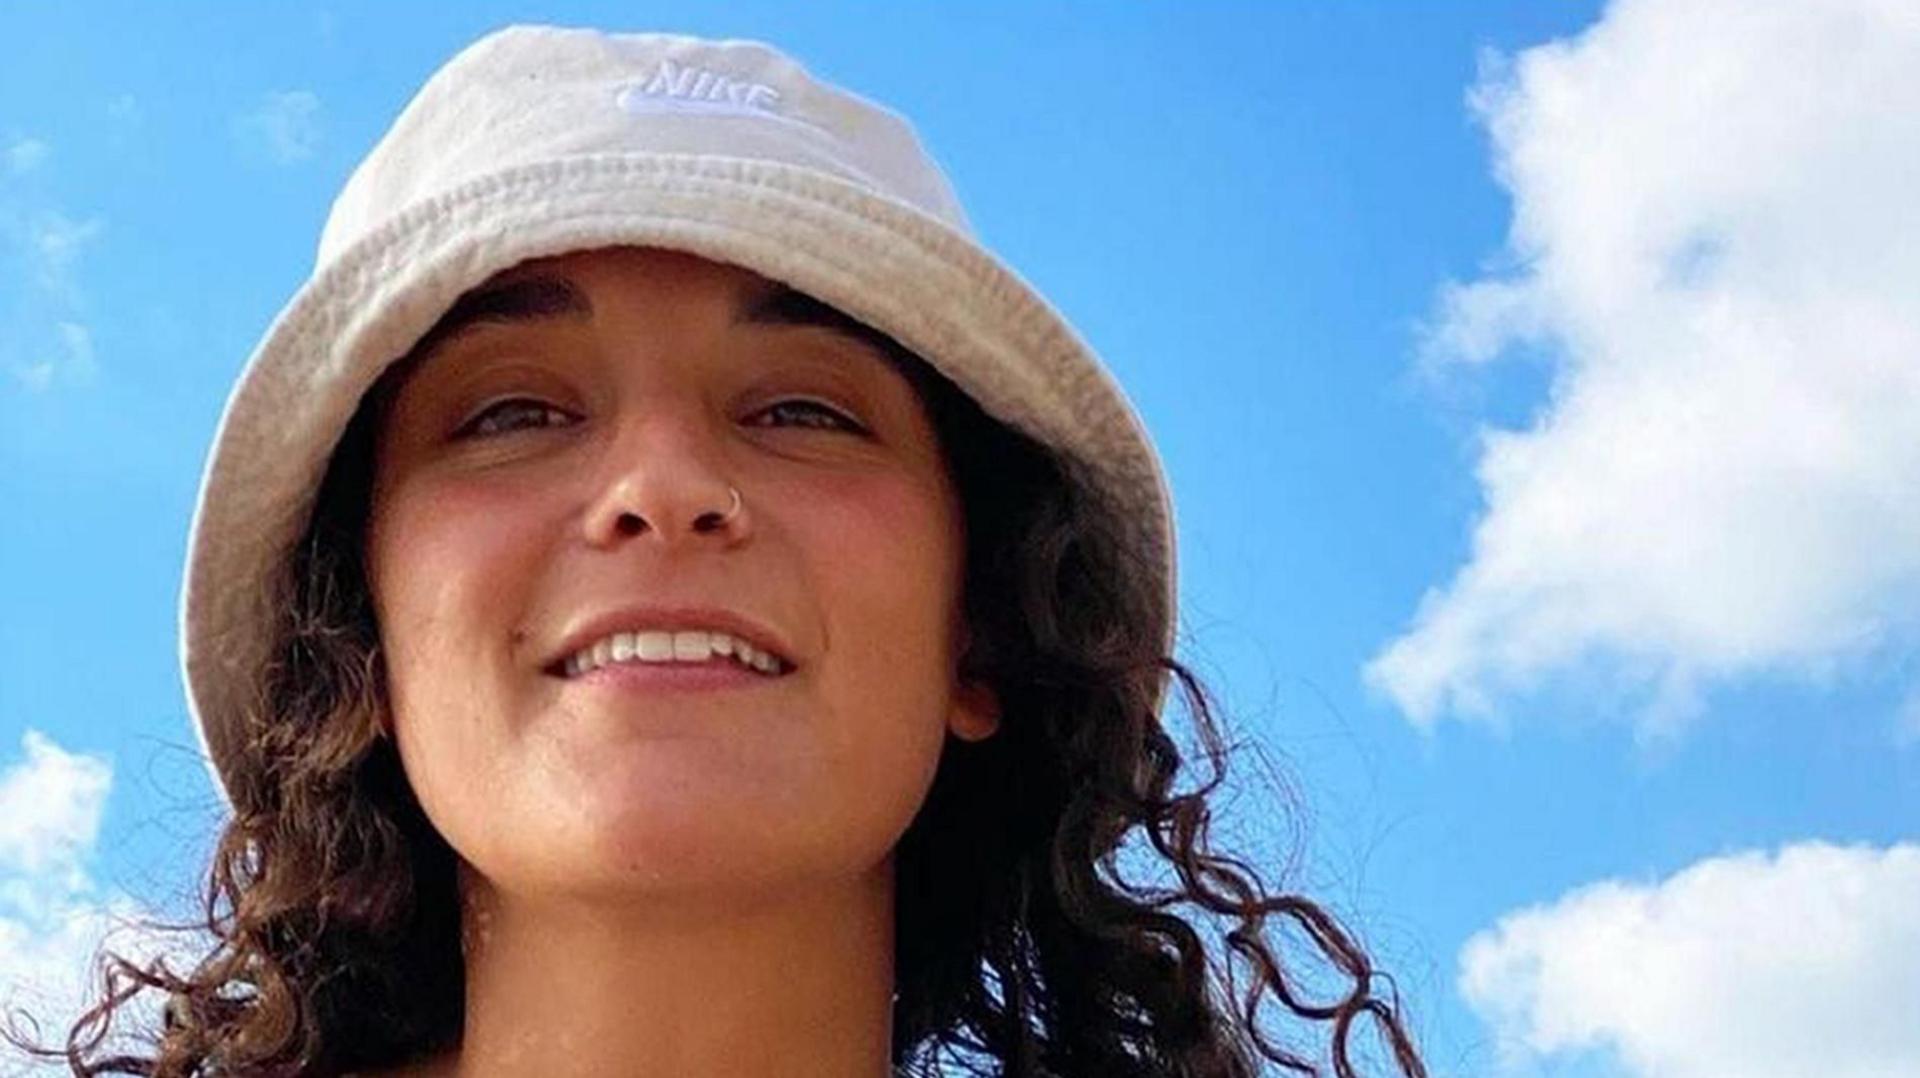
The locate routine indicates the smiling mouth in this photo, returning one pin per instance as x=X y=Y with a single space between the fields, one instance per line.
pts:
x=664 y=651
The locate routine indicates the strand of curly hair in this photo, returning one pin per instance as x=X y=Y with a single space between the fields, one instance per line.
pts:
x=1021 y=950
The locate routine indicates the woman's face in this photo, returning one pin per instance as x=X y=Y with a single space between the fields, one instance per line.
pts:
x=554 y=461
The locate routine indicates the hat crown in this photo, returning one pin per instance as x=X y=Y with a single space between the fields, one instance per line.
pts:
x=528 y=94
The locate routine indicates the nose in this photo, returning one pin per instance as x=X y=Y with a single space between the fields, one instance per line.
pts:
x=663 y=477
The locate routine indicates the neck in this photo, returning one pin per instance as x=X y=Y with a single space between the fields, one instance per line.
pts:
x=773 y=984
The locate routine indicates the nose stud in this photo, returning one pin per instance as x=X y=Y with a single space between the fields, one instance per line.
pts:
x=719 y=519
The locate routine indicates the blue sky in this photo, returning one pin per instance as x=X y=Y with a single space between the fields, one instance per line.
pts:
x=1538 y=386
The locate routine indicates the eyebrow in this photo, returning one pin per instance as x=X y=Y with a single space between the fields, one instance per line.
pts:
x=525 y=299
x=546 y=296
x=775 y=303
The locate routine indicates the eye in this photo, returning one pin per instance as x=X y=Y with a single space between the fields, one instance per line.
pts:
x=478 y=426
x=824 y=417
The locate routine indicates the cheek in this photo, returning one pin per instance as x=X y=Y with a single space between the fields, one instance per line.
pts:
x=448 y=569
x=890 y=570
x=886 y=571
x=439 y=560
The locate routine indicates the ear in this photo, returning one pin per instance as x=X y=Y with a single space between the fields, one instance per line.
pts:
x=976 y=711
x=976 y=705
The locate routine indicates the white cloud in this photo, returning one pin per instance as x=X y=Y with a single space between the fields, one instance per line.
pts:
x=25 y=155
x=72 y=361
x=50 y=806
x=56 y=243
x=79 y=351
x=1763 y=967
x=1715 y=241
x=46 y=338
x=52 y=915
x=286 y=126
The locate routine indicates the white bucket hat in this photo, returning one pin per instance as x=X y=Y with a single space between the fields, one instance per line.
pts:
x=535 y=141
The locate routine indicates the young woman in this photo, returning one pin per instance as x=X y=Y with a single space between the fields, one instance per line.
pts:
x=665 y=601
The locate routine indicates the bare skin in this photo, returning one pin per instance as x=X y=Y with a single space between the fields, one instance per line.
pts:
x=772 y=993
x=657 y=879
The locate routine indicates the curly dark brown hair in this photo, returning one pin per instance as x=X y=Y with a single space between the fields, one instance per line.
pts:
x=1021 y=950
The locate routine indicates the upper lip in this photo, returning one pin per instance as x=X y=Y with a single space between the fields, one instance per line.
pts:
x=589 y=630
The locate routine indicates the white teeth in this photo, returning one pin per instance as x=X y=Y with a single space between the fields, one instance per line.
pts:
x=661 y=646
x=653 y=647
x=691 y=647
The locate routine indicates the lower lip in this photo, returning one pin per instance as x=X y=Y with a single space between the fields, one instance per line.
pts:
x=674 y=676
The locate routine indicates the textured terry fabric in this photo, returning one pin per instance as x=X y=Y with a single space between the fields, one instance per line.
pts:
x=537 y=141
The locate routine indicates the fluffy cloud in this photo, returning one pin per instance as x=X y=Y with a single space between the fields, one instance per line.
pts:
x=55 y=242
x=77 y=346
x=1750 y=965
x=50 y=343
x=285 y=126
x=44 y=337
x=1715 y=244
x=52 y=915
x=50 y=806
